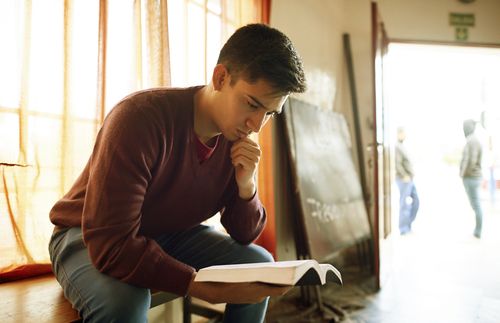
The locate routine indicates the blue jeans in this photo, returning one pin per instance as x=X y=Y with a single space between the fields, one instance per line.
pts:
x=102 y=298
x=408 y=204
x=472 y=185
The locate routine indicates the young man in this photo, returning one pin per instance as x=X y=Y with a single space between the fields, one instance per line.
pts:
x=164 y=161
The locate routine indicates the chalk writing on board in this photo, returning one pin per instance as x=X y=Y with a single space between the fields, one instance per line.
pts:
x=323 y=212
x=325 y=181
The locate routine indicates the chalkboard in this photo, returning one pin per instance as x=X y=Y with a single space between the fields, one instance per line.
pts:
x=326 y=185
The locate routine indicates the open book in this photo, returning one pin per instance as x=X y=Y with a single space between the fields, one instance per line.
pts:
x=293 y=272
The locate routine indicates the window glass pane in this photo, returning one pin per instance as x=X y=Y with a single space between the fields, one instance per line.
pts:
x=196 y=45
x=46 y=54
x=197 y=2
x=229 y=29
x=231 y=10
x=9 y=134
x=194 y=50
x=248 y=12
x=215 y=6
x=44 y=147
x=121 y=60
x=80 y=145
x=83 y=58
x=214 y=42
x=11 y=14
x=177 y=36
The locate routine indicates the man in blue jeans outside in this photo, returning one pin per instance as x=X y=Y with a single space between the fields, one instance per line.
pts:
x=471 y=172
x=164 y=161
x=408 y=197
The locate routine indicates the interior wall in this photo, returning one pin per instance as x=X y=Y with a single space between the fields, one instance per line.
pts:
x=316 y=28
x=358 y=26
x=429 y=19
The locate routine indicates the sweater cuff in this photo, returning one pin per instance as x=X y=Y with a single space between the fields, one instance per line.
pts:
x=252 y=206
x=174 y=280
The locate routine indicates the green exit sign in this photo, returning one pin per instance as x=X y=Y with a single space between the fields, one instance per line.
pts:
x=462 y=19
x=461 y=33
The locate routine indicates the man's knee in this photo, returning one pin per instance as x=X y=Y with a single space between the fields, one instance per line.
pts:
x=126 y=305
x=257 y=253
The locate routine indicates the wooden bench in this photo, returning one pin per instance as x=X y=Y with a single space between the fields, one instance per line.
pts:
x=41 y=299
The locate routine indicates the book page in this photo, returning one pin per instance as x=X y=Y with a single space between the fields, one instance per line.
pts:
x=277 y=264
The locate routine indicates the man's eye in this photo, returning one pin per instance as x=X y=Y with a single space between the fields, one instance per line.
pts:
x=272 y=113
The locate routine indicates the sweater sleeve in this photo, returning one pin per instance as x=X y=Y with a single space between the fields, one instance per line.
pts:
x=243 y=219
x=121 y=167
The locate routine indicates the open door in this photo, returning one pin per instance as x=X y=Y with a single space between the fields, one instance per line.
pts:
x=381 y=155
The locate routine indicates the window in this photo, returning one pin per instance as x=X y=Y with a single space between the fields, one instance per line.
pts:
x=197 y=31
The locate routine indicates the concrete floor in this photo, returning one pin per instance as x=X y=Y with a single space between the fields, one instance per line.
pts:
x=440 y=272
x=441 y=277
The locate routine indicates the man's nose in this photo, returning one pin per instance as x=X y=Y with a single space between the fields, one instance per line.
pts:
x=257 y=121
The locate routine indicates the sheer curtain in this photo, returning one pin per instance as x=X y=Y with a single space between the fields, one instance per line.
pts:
x=63 y=65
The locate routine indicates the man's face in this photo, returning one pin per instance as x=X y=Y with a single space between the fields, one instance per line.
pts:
x=244 y=108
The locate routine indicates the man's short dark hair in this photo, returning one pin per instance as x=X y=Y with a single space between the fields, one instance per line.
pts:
x=257 y=51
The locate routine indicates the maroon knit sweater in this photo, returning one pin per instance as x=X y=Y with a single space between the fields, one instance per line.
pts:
x=144 y=179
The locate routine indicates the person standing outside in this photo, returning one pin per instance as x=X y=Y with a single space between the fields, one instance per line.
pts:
x=408 y=197
x=164 y=161
x=471 y=172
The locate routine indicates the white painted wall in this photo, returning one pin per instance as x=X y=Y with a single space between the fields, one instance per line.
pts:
x=358 y=25
x=316 y=28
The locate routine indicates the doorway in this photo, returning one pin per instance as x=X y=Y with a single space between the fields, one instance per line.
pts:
x=430 y=90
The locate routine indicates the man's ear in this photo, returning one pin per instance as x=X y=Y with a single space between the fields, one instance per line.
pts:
x=220 y=76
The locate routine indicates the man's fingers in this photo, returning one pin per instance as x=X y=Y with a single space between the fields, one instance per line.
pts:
x=245 y=148
x=245 y=142
x=246 y=154
x=245 y=161
x=277 y=290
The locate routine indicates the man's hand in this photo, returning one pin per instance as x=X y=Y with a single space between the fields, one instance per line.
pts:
x=235 y=293
x=245 y=156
